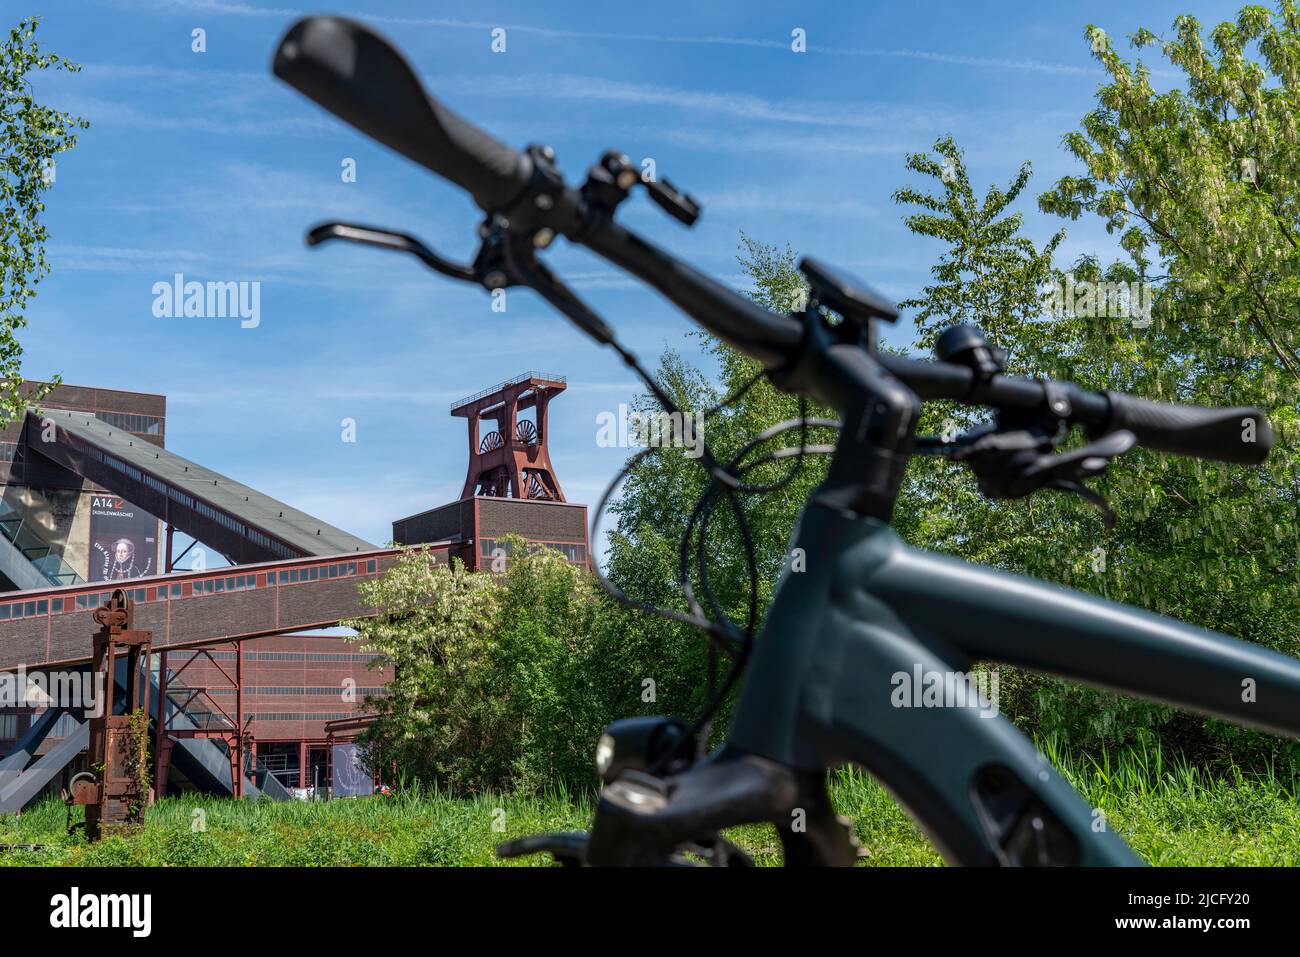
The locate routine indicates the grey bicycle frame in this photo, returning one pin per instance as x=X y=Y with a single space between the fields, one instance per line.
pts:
x=852 y=628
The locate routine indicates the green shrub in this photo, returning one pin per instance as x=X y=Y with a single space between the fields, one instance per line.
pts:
x=503 y=682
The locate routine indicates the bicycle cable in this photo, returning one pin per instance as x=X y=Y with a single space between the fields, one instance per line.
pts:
x=723 y=633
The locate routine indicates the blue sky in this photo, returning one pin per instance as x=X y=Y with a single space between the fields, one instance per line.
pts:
x=203 y=164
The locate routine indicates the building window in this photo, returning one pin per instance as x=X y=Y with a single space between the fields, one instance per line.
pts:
x=8 y=727
x=571 y=552
x=137 y=424
x=63 y=727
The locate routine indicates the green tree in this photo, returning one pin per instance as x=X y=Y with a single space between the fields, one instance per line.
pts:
x=1201 y=185
x=1205 y=178
x=546 y=664
x=31 y=135
x=503 y=680
x=989 y=274
x=1199 y=541
x=441 y=712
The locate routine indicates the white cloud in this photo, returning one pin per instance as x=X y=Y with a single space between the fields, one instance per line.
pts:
x=1017 y=64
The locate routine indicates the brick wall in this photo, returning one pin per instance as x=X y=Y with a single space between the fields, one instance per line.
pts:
x=537 y=521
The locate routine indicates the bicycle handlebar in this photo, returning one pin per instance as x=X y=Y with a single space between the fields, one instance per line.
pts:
x=1241 y=435
x=1228 y=435
x=770 y=338
x=360 y=77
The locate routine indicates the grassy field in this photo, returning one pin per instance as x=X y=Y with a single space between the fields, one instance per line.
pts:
x=1170 y=814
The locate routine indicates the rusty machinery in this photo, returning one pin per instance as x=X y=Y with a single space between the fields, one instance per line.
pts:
x=116 y=788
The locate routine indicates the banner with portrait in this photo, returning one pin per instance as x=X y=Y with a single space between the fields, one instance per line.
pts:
x=123 y=540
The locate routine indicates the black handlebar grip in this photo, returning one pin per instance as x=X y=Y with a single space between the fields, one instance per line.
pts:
x=1227 y=435
x=358 y=76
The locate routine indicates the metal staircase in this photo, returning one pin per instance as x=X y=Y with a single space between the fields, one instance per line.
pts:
x=204 y=762
x=26 y=558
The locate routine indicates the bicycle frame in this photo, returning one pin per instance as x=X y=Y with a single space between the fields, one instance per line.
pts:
x=823 y=688
x=871 y=620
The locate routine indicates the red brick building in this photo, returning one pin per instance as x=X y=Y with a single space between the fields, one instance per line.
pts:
x=62 y=533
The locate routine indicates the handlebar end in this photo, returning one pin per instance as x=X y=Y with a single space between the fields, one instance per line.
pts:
x=1240 y=435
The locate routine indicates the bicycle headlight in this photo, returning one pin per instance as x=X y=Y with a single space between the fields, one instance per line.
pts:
x=604 y=753
x=636 y=744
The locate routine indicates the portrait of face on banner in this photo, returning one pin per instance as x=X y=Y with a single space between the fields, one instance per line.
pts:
x=123 y=539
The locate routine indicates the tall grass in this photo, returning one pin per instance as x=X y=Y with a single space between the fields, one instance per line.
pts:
x=1169 y=811
x=1173 y=812
x=412 y=827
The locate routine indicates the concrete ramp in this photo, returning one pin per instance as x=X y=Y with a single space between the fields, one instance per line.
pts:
x=237 y=520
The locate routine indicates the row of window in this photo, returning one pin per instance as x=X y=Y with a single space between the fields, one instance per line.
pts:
x=293 y=656
x=299 y=715
x=574 y=553
x=98 y=599
x=130 y=471
x=326 y=691
x=204 y=586
x=342 y=570
x=139 y=424
x=29 y=609
x=266 y=541
x=210 y=586
x=220 y=517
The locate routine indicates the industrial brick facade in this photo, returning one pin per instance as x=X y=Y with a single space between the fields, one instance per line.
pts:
x=188 y=609
x=249 y=615
x=471 y=527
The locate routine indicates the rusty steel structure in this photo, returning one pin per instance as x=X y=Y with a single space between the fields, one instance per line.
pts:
x=511 y=460
x=218 y=724
x=114 y=790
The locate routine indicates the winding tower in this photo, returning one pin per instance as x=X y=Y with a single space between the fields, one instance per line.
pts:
x=508 y=454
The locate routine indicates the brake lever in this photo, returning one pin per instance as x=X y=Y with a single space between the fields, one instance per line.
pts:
x=402 y=242
x=504 y=259
x=524 y=268
x=568 y=848
x=1083 y=462
x=1015 y=463
x=1108 y=515
x=1067 y=470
